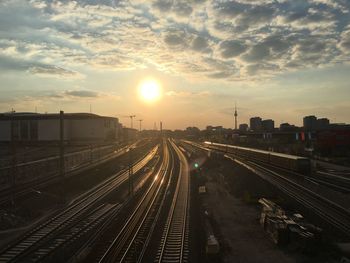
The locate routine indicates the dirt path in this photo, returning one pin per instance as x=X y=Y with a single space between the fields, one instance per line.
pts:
x=240 y=235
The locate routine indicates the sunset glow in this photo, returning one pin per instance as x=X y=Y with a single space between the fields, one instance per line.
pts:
x=149 y=90
x=277 y=59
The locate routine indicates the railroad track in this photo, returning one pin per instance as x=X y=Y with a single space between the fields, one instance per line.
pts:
x=137 y=228
x=141 y=239
x=135 y=238
x=51 y=250
x=24 y=188
x=339 y=183
x=331 y=212
x=174 y=243
x=82 y=208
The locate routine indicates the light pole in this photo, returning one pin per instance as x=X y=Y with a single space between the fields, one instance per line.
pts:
x=61 y=143
x=130 y=173
x=140 y=123
x=13 y=123
x=131 y=118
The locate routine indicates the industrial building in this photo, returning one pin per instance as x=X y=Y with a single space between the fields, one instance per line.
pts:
x=35 y=127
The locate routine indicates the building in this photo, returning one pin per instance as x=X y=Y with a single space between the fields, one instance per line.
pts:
x=255 y=124
x=268 y=125
x=310 y=123
x=322 y=124
x=243 y=127
x=130 y=134
x=33 y=127
x=211 y=128
x=335 y=142
x=288 y=127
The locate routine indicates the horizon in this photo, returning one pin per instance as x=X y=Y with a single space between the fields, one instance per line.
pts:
x=135 y=122
x=279 y=60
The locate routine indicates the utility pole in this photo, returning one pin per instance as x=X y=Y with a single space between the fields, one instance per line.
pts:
x=62 y=169
x=161 y=128
x=130 y=173
x=130 y=170
x=14 y=159
x=140 y=123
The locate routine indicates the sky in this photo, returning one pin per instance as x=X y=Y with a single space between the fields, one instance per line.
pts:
x=275 y=59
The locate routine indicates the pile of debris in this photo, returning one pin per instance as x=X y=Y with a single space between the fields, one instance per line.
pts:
x=287 y=228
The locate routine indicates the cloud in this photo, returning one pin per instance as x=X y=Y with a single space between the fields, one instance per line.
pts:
x=200 y=44
x=232 y=48
x=255 y=69
x=82 y=93
x=73 y=95
x=175 y=39
x=49 y=70
x=8 y=63
x=344 y=43
x=229 y=40
x=187 y=94
x=220 y=74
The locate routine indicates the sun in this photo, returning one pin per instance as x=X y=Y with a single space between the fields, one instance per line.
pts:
x=150 y=90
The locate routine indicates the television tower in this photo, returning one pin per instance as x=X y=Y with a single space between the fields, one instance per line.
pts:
x=235 y=114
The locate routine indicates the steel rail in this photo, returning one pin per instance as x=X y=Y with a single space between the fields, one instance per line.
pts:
x=333 y=213
x=30 y=240
x=173 y=241
x=330 y=211
x=147 y=242
x=25 y=186
x=126 y=235
x=145 y=226
x=81 y=227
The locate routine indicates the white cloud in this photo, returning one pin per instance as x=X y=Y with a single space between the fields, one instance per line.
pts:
x=233 y=40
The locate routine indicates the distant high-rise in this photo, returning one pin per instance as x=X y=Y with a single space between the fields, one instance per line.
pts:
x=268 y=125
x=243 y=127
x=322 y=124
x=310 y=123
x=287 y=127
x=255 y=124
